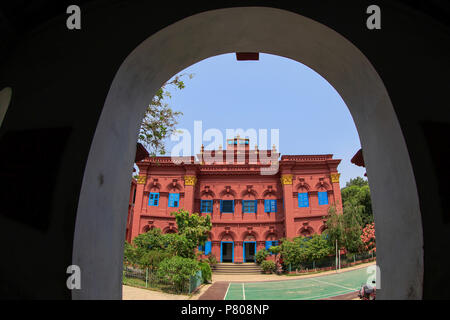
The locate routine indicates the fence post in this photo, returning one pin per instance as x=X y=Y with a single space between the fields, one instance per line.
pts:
x=314 y=265
x=146 y=277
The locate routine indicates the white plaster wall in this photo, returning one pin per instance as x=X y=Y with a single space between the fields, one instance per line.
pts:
x=101 y=216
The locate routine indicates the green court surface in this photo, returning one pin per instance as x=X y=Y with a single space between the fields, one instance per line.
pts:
x=301 y=289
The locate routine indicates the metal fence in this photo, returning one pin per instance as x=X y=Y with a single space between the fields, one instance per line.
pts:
x=147 y=279
x=331 y=262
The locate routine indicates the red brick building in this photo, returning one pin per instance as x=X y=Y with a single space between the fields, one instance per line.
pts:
x=249 y=210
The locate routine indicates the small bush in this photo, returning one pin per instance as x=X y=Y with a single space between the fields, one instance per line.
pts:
x=212 y=260
x=268 y=265
x=261 y=255
x=178 y=270
x=206 y=272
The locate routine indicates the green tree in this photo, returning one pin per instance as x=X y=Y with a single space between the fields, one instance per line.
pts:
x=193 y=226
x=357 y=193
x=150 y=240
x=179 y=245
x=334 y=227
x=160 y=119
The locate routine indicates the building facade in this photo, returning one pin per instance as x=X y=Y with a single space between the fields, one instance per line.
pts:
x=251 y=207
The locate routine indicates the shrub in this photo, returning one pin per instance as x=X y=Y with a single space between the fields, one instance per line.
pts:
x=268 y=265
x=261 y=255
x=206 y=272
x=212 y=260
x=178 y=270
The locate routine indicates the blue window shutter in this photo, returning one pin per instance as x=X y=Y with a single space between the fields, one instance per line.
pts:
x=153 y=199
x=207 y=247
x=266 y=206
x=274 y=206
x=323 y=198
x=233 y=206
x=201 y=205
x=275 y=243
x=268 y=244
x=303 y=201
x=256 y=207
x=221 y=205
x=174 y=199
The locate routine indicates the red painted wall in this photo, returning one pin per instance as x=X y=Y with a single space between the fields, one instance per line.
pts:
x=237 y=181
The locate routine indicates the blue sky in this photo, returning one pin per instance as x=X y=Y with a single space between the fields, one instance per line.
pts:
x=272 y=93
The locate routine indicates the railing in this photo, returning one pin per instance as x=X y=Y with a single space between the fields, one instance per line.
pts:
x=146 y=279
x=329 y=263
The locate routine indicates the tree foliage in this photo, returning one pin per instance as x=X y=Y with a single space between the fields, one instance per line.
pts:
x=357 y=194
x=345 y=228
x=193 y=226
x=302 y=250
x=177 y=270
x=160 y=119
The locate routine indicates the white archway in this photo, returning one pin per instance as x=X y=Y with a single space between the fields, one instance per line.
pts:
x=101 y=216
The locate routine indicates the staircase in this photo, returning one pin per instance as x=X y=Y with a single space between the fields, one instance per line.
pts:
x=232 y=268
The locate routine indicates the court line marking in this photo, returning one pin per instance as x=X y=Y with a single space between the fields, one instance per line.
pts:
x=225 y=297
x=333 y=284
x=243 y=290
x=323 y=295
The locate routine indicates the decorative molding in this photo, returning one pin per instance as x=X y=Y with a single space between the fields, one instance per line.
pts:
x=190 y=180
x=141 y=179
x=335 y=177
x=286 y=179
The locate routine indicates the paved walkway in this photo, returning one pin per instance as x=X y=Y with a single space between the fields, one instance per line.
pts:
x=133 y=293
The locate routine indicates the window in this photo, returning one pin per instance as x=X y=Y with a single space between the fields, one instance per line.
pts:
x=206 y=206
x=271 y=244
x=227 y=206
x=323 y=197
x=270 y=205
x=303 y=201
x=174 y=199
x=249 y=206
x=153 y=199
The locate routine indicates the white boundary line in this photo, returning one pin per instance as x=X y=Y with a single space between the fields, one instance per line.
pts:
x=225 y=296
x=333 y=284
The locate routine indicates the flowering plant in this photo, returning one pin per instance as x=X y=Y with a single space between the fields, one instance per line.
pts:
x=368 y=237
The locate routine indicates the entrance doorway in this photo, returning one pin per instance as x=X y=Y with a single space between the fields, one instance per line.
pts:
x=249 y=251
x=227 y=251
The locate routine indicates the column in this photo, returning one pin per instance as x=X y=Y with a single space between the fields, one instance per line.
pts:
x=334 y=178
x=135 y=223
x=286 y=182
x=189 y=190
x=238 y=252
x=215 y=249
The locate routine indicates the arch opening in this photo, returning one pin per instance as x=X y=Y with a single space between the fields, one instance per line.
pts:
x=256 y=29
